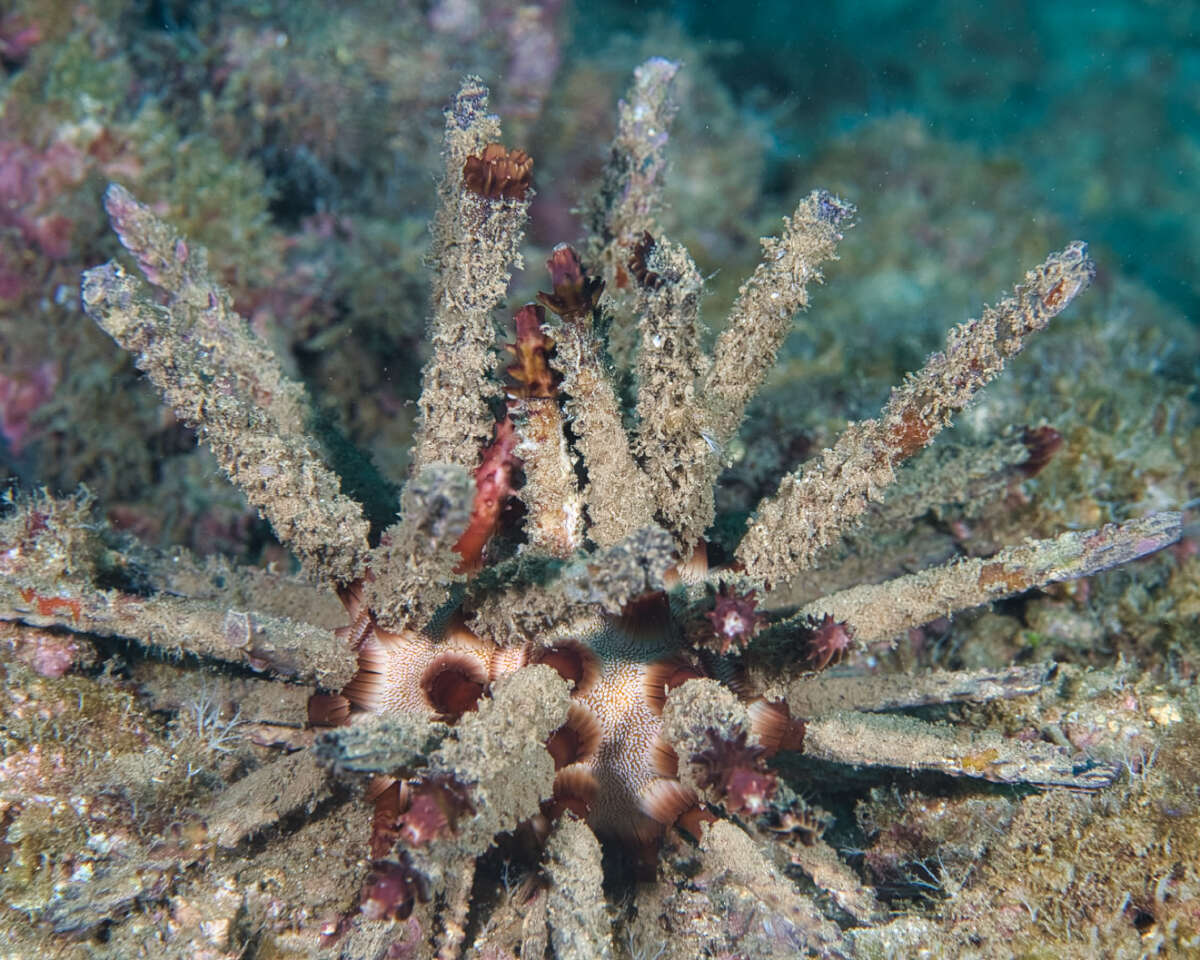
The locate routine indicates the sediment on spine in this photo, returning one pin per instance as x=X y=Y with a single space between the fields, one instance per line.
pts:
x=670 y=369
x=476 y=245
x=604 y=580
x=762 y=314
x=219 y=379
x=885 y=611
x=631 y=192
x=168 y=261
x=815 y=505
x=742 y=873
x=692 y=711
x=554 y=522
x=498 y=752
x=950 y=479
x=579 y=924
x=617 y=494
x=414 y=565
x=176 y=625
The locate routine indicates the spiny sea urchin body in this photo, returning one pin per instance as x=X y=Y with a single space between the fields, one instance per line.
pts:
x=492 y=676
x=613 y=765
x=608 y=754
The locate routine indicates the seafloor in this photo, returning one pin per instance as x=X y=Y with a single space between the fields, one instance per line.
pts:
x=301 y=145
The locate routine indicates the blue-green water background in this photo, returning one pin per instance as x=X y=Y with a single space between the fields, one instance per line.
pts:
x=1100 y=101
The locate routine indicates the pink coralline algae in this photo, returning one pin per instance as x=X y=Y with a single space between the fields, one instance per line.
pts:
x=49 y=654
x=21 y=396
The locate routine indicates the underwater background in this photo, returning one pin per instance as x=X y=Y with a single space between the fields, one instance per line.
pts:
x=1099 y=102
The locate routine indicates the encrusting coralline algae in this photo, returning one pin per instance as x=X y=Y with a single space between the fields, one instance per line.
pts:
x=508 y=676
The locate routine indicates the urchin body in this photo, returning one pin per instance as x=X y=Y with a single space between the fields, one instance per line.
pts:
x=613 y=765
x=606 y=583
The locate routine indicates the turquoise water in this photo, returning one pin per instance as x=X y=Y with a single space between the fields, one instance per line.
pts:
x=1100 y=101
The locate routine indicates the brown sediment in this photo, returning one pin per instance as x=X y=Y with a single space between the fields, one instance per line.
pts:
x=414 y=566
x=476 y=244
x=883 y=611
x=744 y=877
x=260 y=799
